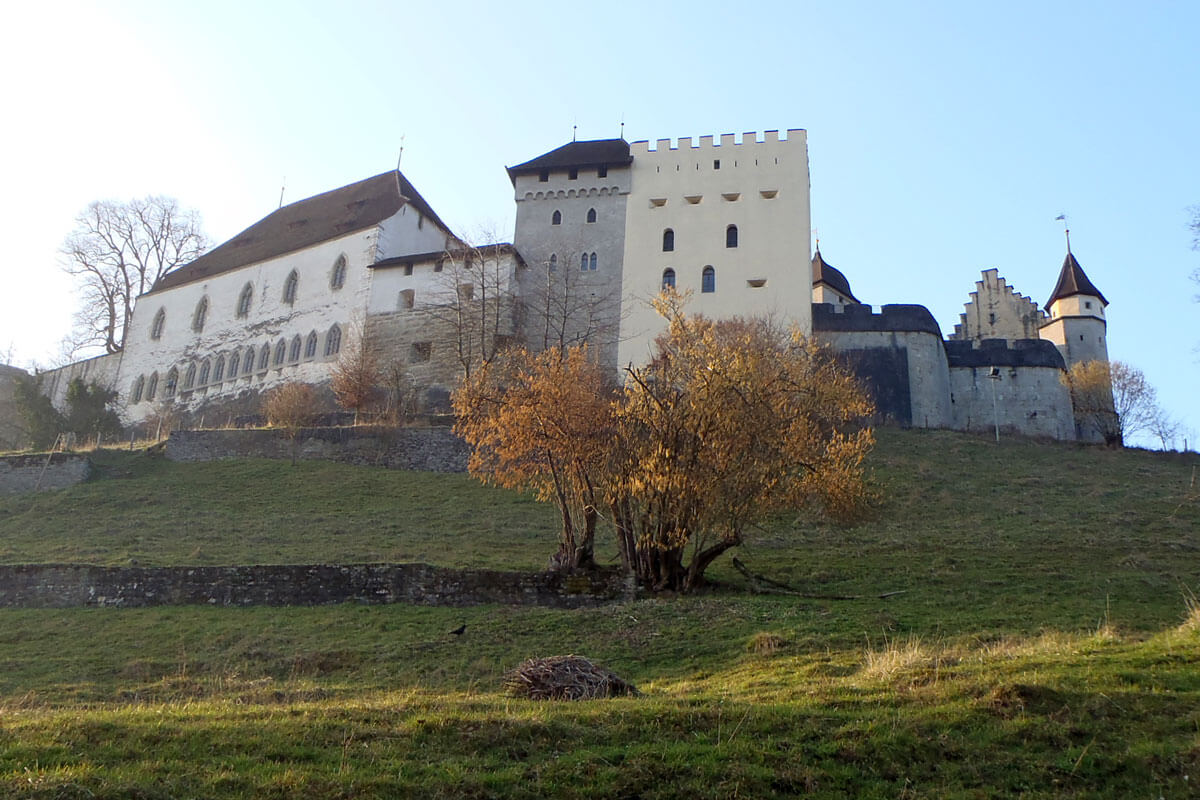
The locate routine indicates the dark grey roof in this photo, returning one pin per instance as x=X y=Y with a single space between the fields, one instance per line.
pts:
x=891 y=318
x=594 y=153
x=305 y=223
x=1072 y=281
x=420 y=258
x=1003 y=353
x=822 y=272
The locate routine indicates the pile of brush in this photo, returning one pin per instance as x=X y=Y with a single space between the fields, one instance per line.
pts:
x=565 y=678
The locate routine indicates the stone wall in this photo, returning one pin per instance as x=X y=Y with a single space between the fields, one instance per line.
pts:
x=26 y=473
x=67 y=585
x=434 y=449
x=12 y=432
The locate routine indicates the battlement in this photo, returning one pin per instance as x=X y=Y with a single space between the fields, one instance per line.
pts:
x=643 y=147
x=895 y=317
x=1003 y=353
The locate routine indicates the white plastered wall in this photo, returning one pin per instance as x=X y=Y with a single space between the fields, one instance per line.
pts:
x=761 y=187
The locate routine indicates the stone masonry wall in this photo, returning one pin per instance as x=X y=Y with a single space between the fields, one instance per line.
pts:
x=434 y=449
x=70 y=585
x=25 y=473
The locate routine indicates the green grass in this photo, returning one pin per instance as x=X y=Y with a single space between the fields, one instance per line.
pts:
x=1047 y=643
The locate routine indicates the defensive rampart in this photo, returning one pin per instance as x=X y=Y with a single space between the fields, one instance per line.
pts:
x=20 y=474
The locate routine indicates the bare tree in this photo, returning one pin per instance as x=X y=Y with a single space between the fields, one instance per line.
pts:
x=117 y=252
x=474 y=302
x=562 y=308
x=356 y=376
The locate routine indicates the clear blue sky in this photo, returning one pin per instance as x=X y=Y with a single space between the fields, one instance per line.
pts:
x=944 y=137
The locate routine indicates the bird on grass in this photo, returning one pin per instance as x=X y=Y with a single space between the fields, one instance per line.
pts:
x=460 y=630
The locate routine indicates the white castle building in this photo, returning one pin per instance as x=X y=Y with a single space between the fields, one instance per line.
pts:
x=601 y=227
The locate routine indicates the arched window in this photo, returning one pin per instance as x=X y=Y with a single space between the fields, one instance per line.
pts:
x=160 y=320
x=583 y=262
x=294 y=351
x=592 y=264
x=731 y=236
x=554 y=262
x=172 y=384
x=135 y=394
x=280 y=352
x=244 y=300
x=219 y=370
x=310 y=345
x=264 y=357
x=591 y=215
x=668 y=240
x=235 y=363
x=337 y=277
x=333 y=341
x=205 y=368
x=556 y=217
x=199 y=316
x=708 y=280
x=189 y=379
x=668 y=280
x=289 y=287
x=251 y=357
x=152 y=386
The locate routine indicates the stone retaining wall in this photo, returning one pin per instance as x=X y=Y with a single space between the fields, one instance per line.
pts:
x=434 y=449
x=73 y=585
x=25 y=473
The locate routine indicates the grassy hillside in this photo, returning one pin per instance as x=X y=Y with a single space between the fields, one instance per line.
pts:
x=1043 y=644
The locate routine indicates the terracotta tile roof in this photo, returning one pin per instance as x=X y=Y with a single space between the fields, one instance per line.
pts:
x=1072 y=281
x=305 y=223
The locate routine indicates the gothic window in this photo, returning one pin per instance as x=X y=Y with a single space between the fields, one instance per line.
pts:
x=280 y=352
x=583 y=262
x=160 y=320
x=592 y=263
x=135 y=394
x=152 y=386
x=219 y=370
x=668 y=240
x=199 y=316
x=264 y=357
x=333 y=341
x=250 y=356
x=554 y=262
x=591 y=215
x=408 y=299
x=235 y=363
x=172 y=384
x=310 y=345
x=556 y=217
x=290 y=286
x=337 y=277
x=205 y=369
x=668 y=280
x=708 y=280
x=244 y=300
x=731 y=236
x=189 y=379
x=294 y=350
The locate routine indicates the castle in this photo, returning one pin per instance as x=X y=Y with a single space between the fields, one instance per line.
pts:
x=601 y=227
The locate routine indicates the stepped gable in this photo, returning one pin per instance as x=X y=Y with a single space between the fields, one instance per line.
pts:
x=984 y=314
x=1003 y=353
x=306 y=223
x=593 y=153
x=823 y=272
x=1072 y=281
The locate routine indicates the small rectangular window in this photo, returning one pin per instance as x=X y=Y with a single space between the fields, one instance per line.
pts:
x=544 y=176
x=602 y=172
x=716 y=163
x=420 y=352
x=407 y=299
x=437 y=267
x=466 y=291
x=573 y=174
x=408 y=268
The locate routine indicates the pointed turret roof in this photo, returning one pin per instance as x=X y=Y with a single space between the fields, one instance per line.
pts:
x=831 y=276
x=1072 y=281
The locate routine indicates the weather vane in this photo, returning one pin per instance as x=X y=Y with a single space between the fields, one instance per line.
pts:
x=1066 y=229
